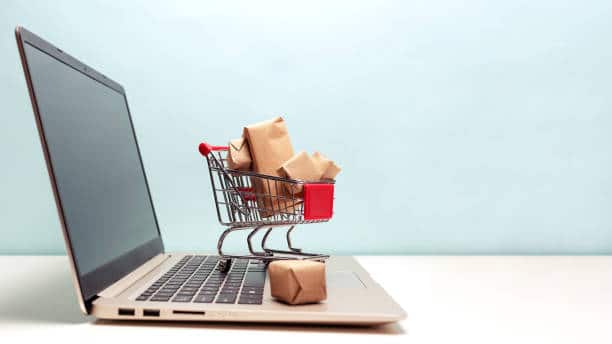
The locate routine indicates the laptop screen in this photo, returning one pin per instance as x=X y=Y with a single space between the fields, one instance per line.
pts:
x=96 y=164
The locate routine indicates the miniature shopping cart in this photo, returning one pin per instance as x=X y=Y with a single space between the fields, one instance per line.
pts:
x=247 y=200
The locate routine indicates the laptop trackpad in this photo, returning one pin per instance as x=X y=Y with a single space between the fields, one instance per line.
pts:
x=343 y=279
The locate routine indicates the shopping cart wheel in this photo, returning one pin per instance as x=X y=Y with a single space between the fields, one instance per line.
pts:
x=225 y=265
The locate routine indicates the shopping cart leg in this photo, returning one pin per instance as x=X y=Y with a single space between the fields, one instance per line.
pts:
x=265 y=239
x=293 y=252
x=220 y=242
x=294 y=249
x=291 y=248
x=225 y=263
x=253 y=252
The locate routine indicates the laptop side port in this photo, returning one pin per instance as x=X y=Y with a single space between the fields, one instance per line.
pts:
x=188 y=312
x=150 y=312
x=126 y=311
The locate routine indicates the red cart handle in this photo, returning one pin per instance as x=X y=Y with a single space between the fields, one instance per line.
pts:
x=205 y=148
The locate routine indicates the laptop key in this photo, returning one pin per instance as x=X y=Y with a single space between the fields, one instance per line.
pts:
x=251 y=296
x=182 y=298
x=252 y=291
x=167 y=291
x=255 y=279
x=232 y=285
x=250 y=301
x=208 y=292
x=204 y=298
x=229 y=292
x=226 y=298
x=188 y=290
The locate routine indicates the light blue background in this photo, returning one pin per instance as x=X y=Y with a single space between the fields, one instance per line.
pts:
x=467 y=127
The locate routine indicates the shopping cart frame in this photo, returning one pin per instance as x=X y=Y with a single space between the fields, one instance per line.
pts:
x=248 y=200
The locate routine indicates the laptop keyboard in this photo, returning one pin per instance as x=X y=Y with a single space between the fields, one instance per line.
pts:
x=196 y=279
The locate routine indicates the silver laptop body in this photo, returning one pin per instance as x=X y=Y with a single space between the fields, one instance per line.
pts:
x=119 y=267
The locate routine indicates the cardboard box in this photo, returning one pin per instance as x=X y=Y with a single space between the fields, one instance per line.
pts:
x=297 y=281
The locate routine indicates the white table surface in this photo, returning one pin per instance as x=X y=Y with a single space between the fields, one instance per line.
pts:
x=476 y=299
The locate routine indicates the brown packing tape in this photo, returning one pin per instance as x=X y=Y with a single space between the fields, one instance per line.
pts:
x=297 y=281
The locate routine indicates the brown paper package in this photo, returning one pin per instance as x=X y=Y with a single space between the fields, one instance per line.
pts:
x=239 y=156
x=301 y=166
x=270 y=147
x=329 y=168
x=308 y=168
x=297 y=281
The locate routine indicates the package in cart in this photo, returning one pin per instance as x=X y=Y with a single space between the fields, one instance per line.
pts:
x=239 y=155
x=303 y=166
x=270 y=147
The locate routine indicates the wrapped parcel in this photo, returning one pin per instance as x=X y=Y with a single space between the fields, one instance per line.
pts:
x=239 y=155
x=297 y=281
x=270 y=147
x=308 y=168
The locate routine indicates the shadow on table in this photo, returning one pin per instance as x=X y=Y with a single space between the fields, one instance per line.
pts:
x=387 y=329
x=48 y=297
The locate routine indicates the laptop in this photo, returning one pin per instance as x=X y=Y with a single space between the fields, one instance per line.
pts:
x=119 y=266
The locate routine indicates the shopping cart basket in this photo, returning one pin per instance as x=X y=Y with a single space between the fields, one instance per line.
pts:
x=247 y=200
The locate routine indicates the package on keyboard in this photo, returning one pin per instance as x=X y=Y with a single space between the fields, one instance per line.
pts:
x=297 y=282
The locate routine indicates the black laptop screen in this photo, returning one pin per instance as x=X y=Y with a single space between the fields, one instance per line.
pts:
x=98 y=172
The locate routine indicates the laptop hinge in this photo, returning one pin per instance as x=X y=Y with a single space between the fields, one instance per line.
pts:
x=128 y=280
x=89 y=302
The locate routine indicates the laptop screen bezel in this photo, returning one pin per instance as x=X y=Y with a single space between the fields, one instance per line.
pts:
x=90 y=284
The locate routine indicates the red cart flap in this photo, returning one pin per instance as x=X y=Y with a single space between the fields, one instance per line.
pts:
x=318 y=201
